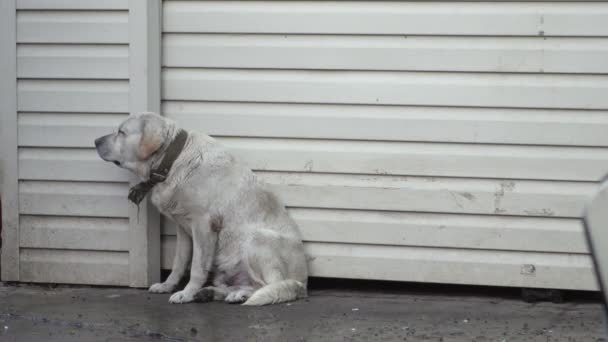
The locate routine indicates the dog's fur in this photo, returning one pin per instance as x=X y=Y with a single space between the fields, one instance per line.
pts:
x=229 y=225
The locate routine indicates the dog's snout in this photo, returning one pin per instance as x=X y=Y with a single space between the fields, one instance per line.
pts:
x=101 y=145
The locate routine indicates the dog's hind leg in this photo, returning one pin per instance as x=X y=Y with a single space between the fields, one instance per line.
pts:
x=239 y=294
x=211 y=293
x=279 y=271
x=232 y=294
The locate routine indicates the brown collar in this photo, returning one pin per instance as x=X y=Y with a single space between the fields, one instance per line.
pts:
x=138 y=192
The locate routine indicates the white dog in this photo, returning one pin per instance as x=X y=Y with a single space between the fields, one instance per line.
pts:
x=229 y=225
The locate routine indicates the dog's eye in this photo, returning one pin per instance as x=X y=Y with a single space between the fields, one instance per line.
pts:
x=120 y=132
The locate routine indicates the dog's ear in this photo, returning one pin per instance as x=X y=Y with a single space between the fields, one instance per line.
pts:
x=151 y=139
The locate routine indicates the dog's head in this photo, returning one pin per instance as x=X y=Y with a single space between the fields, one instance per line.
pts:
x=135 y=142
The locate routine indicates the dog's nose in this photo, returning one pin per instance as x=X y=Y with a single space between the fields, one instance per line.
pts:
x=98 y=141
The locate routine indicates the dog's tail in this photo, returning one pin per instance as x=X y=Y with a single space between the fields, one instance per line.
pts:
x=279 y=292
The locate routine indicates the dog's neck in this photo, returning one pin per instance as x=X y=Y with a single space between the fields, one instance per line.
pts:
x=157 y=157
x=160 y=167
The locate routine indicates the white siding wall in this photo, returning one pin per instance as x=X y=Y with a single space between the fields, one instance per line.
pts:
x=421 y=141
x=72 y=69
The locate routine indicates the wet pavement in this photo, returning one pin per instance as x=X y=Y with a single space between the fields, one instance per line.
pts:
x=42 y=313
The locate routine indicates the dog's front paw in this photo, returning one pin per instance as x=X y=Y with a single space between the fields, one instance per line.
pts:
x=182 y=297
x=161 y=288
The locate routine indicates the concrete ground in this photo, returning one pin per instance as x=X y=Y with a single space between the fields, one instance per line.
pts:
x=331 y=313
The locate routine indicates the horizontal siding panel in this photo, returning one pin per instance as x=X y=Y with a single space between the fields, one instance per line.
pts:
x=74 y=267
x=387 y=88
x=380 y=17
x=426 y=159
x=110 y=27
x=459 y=125
x=436 y=230
x=110 y=234
x=424 y=194
x=483 y=54
x=73 y=199
x=562 y=271
x=73 y=61
x=441 y=230
x=68 y=165
x=36 y=95
x=65 y=129
x=480 y=161
x=439 y=265
x=469 y=125
x=73 y=4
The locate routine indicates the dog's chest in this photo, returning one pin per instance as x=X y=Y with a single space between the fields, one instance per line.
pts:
x=165 y=199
